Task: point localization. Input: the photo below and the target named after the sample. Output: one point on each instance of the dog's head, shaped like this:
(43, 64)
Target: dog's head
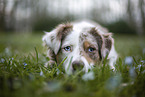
(83, 44)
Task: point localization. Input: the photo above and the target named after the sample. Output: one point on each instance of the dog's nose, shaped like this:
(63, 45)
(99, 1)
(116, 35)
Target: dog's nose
(77, 65)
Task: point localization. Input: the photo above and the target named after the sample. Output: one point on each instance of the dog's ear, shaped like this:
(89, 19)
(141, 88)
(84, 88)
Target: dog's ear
(107, 44)
(54, 38)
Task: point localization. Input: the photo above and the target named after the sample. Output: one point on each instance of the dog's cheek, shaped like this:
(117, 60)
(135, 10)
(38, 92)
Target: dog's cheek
(91, 58)
(94, 56)
(60, 56)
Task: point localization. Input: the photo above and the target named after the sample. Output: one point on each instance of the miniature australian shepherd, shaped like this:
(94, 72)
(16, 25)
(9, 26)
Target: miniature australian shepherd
(81, 45)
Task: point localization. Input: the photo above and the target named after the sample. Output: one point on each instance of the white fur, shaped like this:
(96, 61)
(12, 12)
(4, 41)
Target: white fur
(73, 40)
(55, 45)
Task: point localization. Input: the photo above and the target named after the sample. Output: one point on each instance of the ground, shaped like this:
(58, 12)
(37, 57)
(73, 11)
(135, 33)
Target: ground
(22, 71)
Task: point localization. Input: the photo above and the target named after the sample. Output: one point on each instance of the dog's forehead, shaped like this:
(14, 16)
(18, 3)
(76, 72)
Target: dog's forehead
(82, 25)
(77, 39)
(81, 28)
(72, 38)
(79, 33)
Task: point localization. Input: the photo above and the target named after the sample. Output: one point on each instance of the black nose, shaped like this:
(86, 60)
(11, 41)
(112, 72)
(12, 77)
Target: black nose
(77, 65)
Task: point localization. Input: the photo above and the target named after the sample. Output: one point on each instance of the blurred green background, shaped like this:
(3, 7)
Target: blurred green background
(27, 16)
(22, 22)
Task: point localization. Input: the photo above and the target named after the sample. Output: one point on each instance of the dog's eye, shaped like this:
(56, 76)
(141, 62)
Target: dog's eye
(67, 48)
(90, 49)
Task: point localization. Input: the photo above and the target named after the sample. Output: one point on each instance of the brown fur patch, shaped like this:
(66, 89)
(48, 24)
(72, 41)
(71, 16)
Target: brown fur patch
(63, 30)
(108, 41)
(90, 56)
(86, 44)
(52, 38)
(51, 56)
(99, 40)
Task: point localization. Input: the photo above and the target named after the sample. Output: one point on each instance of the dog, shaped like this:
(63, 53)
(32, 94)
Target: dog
(81, 45)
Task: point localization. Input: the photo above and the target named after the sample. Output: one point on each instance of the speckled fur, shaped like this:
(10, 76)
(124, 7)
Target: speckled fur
(80, 37)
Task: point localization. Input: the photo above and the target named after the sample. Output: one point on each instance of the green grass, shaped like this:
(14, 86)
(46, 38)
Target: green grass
(22, 71)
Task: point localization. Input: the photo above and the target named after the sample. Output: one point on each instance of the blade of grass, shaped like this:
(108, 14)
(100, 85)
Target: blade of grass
(104, 62)
(69, 64)
(61, 65)
(134, 60)
(36, 54)
(77, 73)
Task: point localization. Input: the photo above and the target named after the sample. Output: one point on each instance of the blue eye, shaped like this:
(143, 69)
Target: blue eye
(90, 49)
(67, 48)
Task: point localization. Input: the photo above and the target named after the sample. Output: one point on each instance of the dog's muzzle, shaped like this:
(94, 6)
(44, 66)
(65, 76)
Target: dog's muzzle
(77, 65)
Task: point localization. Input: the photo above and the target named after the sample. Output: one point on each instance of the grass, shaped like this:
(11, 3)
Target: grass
(22, 71)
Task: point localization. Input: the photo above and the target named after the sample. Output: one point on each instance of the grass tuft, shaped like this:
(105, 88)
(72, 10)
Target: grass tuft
(23, 74)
